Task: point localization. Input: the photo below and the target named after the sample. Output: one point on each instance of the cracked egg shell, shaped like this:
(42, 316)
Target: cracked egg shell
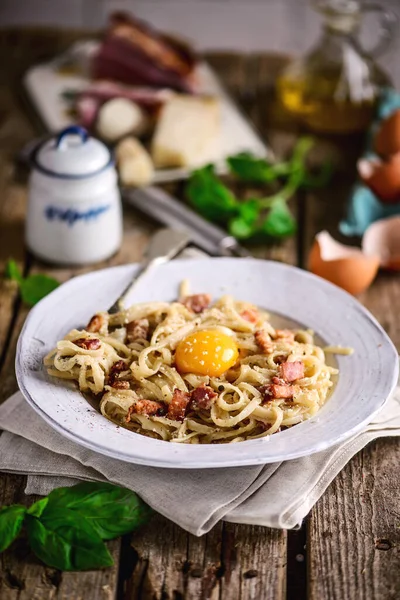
(382, 239)
(383, 178)
(345, 266)
(387, 139)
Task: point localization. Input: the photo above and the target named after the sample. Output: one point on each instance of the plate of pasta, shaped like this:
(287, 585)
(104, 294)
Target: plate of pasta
(212, 363)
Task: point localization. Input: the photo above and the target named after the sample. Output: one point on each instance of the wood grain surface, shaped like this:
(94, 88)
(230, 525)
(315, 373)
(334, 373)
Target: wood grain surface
(349, 546)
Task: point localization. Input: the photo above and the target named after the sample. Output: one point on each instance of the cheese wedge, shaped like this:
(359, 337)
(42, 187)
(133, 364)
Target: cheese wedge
(187, 132)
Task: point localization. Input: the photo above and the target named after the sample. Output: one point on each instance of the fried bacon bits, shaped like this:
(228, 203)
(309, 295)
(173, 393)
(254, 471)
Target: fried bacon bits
(277, 389)
(95, 323)
(137, 330)
(197, 303)
(202, 397)
(285, 335)
(118, 384)
(113, 376)
(250, 315)
(291, 371)
(278, 360)
(178, 405)
(263, 341)
(88, 343)
(149, 408)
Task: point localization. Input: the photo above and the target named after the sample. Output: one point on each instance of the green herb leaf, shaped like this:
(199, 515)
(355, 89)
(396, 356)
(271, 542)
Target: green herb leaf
(240, 229)
(12, 271)
(37, 509)
(11, 521)
(259, 170)
(36, 287)
(244, 225)
(210, 196)
(111, 510)
(66, 540)
(280, 222)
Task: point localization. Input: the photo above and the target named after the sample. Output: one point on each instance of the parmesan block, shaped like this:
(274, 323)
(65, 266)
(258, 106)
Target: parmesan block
(187, 132)
(134, 164)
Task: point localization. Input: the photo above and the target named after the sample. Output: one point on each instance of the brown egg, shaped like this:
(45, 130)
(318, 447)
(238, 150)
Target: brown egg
(342, 265)
(383, 178)
(382, 239)
(387, 139)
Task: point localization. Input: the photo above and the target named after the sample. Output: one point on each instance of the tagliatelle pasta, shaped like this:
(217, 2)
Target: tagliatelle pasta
(195, 372)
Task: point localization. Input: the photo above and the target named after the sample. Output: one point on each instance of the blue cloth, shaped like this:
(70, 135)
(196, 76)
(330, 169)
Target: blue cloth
(364, 207)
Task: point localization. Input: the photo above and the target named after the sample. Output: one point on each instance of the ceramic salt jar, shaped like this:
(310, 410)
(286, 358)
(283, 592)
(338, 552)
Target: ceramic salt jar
(74, 206)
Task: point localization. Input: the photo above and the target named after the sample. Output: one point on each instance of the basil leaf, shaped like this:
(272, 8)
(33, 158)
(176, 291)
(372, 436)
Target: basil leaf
(240, 229)
(244, 225)
(37, 509)
(111, 510)
(36, 287)
(250, 168)
(210, 196)
(279, 222)
(12, 271)
(67, 541)
(11, 521)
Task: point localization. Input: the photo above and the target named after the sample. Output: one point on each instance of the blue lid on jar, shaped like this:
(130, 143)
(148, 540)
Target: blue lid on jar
(72, 154)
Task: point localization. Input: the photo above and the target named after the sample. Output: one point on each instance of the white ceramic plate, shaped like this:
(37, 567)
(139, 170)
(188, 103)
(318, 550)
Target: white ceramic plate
(366, 378)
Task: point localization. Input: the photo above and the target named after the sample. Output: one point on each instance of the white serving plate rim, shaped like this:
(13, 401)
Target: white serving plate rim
(211, 456)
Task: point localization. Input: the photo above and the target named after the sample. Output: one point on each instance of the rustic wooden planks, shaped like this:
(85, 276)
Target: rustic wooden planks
(353, 537)
(354, 530)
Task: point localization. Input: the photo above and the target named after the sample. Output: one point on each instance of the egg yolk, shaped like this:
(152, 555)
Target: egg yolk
(206, 352)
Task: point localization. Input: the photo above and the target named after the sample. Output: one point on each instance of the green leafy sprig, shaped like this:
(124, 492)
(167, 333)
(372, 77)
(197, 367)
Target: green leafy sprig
(268, 215)
(67, 528)
(34, 287)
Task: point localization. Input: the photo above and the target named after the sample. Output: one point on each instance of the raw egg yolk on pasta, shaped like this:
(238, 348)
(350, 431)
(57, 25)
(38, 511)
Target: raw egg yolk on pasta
(206, 352)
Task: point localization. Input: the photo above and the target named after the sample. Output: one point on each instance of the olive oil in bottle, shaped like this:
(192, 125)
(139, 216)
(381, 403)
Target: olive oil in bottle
(334, 88)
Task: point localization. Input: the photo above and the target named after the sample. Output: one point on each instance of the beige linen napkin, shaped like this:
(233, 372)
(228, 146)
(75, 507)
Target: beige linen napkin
(278, 495)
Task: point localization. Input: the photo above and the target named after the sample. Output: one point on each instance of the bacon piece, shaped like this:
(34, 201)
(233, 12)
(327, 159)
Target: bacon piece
(291, 371)
(115, 370)
(197, 303)
(202, 397)
(88, 343)
(95, 323)
(103, 90)
(250, 314)
(120, 385)
(118, 366)
(278, 360)
(137, 330)
(263, 341)
(277, 390)
(178, 405)
(134, 53)
(149, 408)
(285, 335)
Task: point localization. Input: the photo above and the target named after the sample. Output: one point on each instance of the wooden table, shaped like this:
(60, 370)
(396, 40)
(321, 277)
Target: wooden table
(348, 547)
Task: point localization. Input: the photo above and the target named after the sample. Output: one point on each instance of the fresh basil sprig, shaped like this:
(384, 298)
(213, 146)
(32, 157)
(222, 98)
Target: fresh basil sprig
(66, 529)
(268, 215)
(34, 287)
